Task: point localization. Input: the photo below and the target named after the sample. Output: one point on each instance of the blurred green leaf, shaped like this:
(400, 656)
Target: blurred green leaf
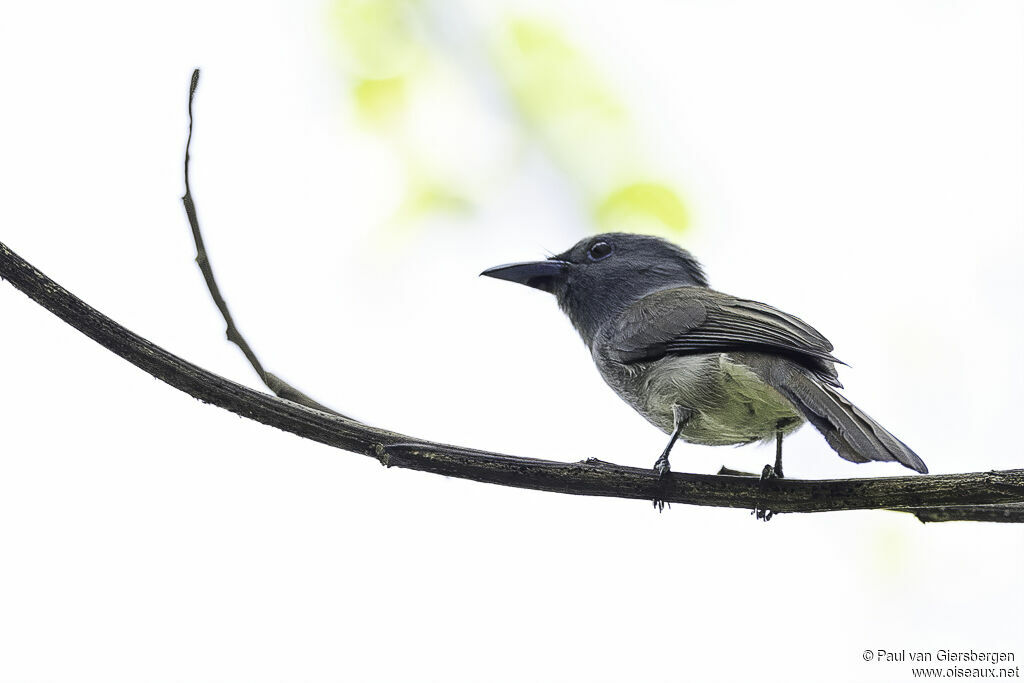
(429, 198)
(641, 201)
(562, 99)
(587, 129)
(551, 78)
(380, 100)
(378, 38)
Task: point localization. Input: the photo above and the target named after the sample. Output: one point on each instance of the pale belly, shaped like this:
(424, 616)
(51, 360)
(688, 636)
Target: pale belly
(731, 404)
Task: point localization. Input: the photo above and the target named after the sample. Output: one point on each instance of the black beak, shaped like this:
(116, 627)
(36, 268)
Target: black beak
(543, 275)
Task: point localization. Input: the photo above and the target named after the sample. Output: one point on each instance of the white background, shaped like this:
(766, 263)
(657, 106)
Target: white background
(860, 165)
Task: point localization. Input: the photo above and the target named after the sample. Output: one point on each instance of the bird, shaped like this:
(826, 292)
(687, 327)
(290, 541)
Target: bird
(703, 366)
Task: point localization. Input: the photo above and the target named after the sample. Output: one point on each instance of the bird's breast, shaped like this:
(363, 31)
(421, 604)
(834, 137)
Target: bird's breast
(731, 402)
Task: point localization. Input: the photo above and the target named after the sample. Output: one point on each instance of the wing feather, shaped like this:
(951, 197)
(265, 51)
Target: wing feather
(687, 320)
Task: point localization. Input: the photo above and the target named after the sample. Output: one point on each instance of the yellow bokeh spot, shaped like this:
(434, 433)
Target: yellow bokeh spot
(639, 202)
(378, 38)
(380, 100)
(550, 77)
(428, 199)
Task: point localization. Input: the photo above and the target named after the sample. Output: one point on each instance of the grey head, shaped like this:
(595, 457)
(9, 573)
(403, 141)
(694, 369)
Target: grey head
(598, 277)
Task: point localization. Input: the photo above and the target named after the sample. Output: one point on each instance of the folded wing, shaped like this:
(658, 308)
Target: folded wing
(690, 320)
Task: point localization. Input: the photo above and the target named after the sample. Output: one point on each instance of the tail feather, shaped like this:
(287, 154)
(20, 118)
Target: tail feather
(848, 430)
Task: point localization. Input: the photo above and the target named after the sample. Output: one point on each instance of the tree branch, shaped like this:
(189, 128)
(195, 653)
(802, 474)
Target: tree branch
(983, 496)
(590, 478)
(1010, 512)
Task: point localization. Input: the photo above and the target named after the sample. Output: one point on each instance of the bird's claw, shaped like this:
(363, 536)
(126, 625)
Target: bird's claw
(767, 474)
(661, 466)
(663, 470)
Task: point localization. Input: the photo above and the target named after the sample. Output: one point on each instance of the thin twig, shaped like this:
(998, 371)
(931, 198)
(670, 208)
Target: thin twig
(273, 382)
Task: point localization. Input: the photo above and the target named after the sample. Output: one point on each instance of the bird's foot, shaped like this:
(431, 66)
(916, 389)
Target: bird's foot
(767, 474)
(661, 466)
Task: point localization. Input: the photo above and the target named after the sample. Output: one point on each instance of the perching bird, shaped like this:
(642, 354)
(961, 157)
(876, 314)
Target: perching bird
(703, 366)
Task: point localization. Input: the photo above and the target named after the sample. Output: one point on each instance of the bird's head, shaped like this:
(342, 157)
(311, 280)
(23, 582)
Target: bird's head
(599, 276)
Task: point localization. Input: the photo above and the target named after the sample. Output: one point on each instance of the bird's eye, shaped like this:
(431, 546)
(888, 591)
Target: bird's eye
(599, 250)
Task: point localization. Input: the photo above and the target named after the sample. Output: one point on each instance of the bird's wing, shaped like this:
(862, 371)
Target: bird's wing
(688, 320)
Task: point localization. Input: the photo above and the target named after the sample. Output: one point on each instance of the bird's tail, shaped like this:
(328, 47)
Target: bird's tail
(847, 429)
